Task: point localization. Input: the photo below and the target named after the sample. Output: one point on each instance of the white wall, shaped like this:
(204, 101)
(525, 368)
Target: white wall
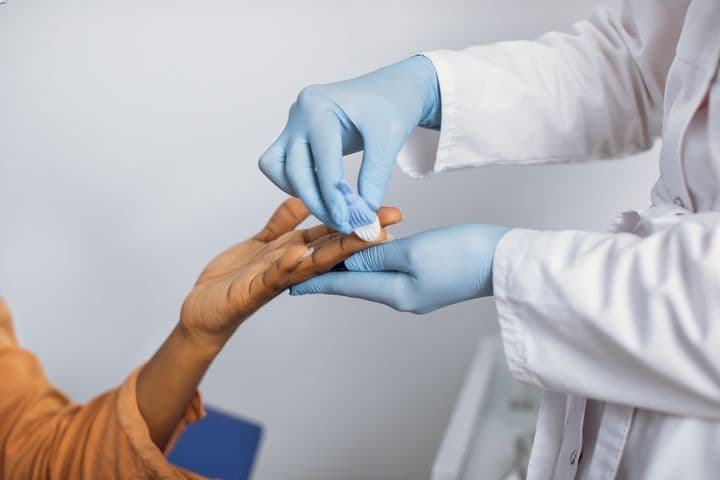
(129, 133)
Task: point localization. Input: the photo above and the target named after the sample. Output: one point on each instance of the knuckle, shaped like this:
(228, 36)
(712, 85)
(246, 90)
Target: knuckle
(403, 305)
(266, 163)
(310, 96)
(420, 310)
(404, 301)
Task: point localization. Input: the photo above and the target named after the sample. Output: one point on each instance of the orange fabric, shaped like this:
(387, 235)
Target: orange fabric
(43, 435)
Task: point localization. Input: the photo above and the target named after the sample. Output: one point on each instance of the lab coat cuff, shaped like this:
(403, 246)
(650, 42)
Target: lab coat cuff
(134, 426)
(428, 151)
(514, 328)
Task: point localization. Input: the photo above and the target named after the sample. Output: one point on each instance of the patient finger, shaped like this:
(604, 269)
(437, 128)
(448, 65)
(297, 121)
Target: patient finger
(332, 249)
(276, 277)
(314, 233)
(389, 216)
(5, 318)
(288, 216)
(386, 215)
(329, 251)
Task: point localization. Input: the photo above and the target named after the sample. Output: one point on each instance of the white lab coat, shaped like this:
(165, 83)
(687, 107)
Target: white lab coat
(621, 330)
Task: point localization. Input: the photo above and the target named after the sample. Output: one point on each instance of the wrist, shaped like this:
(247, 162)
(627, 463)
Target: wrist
(430, 86)
(202, 344)
(499, 232)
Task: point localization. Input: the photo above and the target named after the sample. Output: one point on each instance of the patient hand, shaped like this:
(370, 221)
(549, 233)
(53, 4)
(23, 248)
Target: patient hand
(246, 276)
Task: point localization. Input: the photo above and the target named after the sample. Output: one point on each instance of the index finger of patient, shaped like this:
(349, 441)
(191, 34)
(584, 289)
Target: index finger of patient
(329, 251)
(332, 249)
(386, 215)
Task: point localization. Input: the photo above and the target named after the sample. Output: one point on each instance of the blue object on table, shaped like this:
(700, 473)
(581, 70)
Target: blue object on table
(218, 446)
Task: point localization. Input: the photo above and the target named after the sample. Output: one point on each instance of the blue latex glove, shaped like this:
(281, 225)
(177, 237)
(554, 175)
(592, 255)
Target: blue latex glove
(374, 113)
(420, 273)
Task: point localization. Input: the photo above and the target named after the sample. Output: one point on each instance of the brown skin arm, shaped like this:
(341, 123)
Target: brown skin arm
(231, 288)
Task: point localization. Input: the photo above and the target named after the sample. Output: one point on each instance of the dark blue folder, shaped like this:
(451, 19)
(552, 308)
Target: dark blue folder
(218, 446)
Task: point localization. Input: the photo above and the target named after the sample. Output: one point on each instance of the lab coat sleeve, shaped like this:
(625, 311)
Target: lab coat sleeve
(566, 97)
(616, 317)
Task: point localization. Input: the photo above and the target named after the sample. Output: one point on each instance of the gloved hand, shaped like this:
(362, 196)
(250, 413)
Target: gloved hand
(375, 113)
(420, 273)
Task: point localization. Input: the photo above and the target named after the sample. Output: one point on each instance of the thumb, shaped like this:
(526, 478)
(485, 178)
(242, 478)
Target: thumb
(272, 164)
(389, 256)
(380, 287)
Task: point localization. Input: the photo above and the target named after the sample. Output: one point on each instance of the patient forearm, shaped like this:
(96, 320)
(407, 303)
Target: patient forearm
(167, 383)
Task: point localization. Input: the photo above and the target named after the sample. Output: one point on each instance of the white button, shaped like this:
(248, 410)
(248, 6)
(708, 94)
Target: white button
(573, 456)
(678, 201)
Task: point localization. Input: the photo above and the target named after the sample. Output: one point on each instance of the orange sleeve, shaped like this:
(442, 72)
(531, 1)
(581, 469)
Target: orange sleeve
(43, 435)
